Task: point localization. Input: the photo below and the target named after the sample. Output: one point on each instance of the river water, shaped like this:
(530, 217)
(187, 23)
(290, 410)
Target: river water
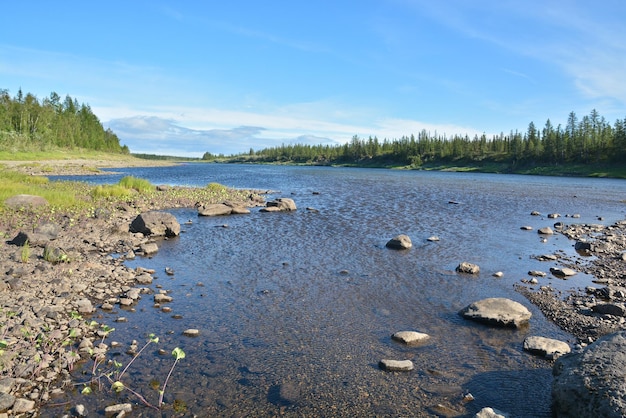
(296, 309)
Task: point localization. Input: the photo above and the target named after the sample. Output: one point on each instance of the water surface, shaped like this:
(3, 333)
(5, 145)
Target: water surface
(296, 309)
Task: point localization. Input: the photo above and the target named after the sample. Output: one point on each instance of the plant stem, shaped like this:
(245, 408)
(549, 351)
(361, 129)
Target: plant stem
(165, 383)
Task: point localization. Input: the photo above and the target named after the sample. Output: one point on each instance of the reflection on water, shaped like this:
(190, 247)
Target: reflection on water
(296, 309)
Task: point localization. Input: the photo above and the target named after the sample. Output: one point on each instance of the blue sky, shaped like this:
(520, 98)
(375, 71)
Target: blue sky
(185, 77)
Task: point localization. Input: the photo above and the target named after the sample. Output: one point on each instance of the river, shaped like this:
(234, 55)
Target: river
(296, 309)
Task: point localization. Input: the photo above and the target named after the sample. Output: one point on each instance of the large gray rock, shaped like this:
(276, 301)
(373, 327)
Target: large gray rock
(282, 204)
(156, 223)
(214, 209)
(401, 242)
(25, 200)
(592, 383)
(497, 311)
(547, 347)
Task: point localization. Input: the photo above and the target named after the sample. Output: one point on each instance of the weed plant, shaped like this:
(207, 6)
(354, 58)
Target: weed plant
(115, 372)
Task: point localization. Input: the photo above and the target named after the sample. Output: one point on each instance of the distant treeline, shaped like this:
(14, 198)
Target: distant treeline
(163, 157)
(27, 124)
(590, 140)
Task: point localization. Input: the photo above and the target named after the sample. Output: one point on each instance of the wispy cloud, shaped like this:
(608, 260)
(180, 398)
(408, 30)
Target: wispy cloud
(585, 40)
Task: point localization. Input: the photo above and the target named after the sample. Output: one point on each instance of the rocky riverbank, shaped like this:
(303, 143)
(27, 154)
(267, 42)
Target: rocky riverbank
(597, 309)
(57, 273)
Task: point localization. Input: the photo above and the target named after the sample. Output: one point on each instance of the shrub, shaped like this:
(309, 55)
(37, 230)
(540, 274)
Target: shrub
(216, 187)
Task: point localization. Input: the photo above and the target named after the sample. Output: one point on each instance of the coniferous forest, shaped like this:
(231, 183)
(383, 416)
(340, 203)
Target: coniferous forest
(588, 140)
(28, 124)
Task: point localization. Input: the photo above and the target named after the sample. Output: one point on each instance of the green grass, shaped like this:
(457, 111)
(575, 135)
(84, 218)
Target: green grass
(140, 185)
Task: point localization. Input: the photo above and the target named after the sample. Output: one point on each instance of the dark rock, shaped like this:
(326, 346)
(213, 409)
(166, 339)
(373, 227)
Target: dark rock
(592, 383)
(615, 309)
(156, 223)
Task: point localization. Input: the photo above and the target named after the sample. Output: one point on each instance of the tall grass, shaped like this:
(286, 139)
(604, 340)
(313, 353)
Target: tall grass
(141, 185)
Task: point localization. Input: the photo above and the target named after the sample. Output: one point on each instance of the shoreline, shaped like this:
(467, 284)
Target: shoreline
(44, 303)
(596, 310)
(54, 287)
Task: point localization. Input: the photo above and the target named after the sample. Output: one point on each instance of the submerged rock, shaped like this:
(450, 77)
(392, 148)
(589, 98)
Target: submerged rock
(468, 268)
(215, 209)
(282, 204)
(400, 242)
(547, 347)
(396, 365)
(497, 311)
(562, 271)
(410, 337)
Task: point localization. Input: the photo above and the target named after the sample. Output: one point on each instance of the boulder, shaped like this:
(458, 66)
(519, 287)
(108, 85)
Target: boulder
(282, 204)
(468, 268)
(546, 230)
(582, 246)
(410, 337)
(156, 223)
(592, 382)
(40, 236)
(24, 201)
(401, 242)
(615, 309)
(497, 311)
(562, 271)
(547, 347)
(215, 209)
(149, 248)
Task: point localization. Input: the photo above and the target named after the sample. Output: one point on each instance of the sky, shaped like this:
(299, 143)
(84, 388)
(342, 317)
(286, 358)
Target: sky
(188, 77)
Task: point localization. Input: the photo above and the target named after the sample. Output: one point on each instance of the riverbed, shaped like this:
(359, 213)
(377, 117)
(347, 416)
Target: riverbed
(296, 309)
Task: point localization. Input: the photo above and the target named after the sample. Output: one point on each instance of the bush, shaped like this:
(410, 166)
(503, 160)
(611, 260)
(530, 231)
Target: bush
(216, 187)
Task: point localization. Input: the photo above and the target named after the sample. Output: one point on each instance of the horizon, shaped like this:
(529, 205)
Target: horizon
(185, 79)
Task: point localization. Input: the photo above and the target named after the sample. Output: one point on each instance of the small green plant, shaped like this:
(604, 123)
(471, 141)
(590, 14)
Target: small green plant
(25, 254)
(115, 374)
(178, 354)
(54, 255)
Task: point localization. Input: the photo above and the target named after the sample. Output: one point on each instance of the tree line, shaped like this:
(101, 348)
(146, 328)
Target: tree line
(589, 140)
(28, 124)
